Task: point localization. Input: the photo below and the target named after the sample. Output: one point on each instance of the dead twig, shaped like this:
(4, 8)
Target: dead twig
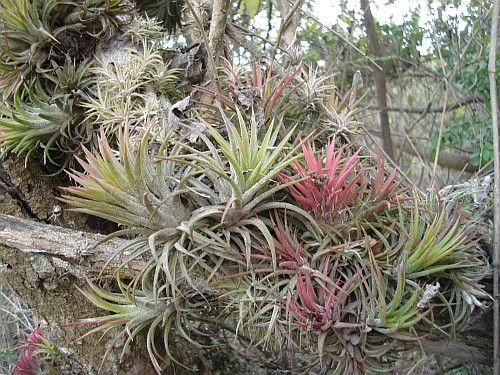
(283, 24)
(213, 66)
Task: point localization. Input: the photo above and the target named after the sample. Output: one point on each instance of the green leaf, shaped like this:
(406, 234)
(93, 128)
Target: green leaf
(249, 8)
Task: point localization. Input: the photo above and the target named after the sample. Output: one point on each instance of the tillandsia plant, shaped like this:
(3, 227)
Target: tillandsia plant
(44, 73)
(142, 307)
(329, 188)
(290, 244)
(297, 94)
(266, 94)
(446, 252)
(35, 32)
(137, 89)
(51, 121)
(130, 187)
(38, 355)
(24, 36)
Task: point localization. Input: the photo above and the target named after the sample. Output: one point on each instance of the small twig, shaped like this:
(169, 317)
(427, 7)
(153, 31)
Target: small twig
(284, 22)
(440, 135)
(417, 365)
(211, 60)
(365, 55)
(233, 32)
(496, 163)
(235, 28)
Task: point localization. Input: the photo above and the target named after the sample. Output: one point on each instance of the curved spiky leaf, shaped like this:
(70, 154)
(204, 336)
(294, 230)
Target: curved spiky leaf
(129, 188)
(39, 121)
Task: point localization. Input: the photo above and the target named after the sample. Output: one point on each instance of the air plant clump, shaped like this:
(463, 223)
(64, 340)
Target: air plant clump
(290, 245)
(348, 310)
(299, 95)
(53, 123)
(265, 94)
(134, 85)
(44, 73)
(139, 308)
(35, 33)
(246, 220)
(37, 355)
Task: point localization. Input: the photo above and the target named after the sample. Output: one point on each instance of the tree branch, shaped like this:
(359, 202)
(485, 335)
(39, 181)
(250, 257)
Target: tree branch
(380, 79)
(77, 249)
(30, 239)
(458, 350)
(287, 27)
(496, 162)
(218, 28)
(211, 60)
(453, 160)
(431, 108)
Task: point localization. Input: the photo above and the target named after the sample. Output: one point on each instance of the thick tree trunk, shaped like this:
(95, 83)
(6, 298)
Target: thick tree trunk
(44, 263)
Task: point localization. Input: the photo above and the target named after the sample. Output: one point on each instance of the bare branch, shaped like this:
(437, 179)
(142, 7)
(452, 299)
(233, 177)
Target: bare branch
(496, 161)
(76, 248)
(284, 25)
(463, 101)
(380, 79)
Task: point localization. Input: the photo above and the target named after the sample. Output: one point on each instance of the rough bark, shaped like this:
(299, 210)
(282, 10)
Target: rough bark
(379, 75)
(43, 263)
(496, 147)
(290, 21)
(218, 29)
(78, 251)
